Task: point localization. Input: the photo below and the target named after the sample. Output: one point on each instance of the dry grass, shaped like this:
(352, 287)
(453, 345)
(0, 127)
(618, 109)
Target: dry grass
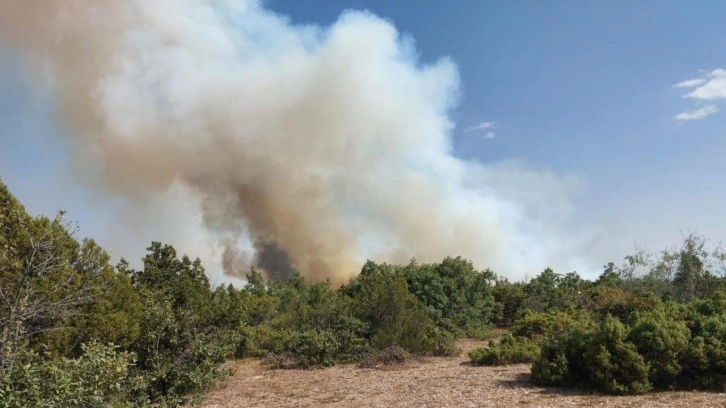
(434, 382)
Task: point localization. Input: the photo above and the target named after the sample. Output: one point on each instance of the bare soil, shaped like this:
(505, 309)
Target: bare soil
(433, 382)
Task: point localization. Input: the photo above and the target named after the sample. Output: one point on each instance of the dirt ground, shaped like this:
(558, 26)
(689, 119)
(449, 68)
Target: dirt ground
(435, 382)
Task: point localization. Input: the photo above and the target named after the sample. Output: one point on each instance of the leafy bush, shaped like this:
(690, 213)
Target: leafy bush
(316, 348)
(600, 357)
(551, 291)
(619, 303)
(536, 325)
(174, 360)
(180, 351)
(95, 379)
(511, 297)
(658, 324)
(613, 364)
(663, 342)
(457, 297)
(508, 350)
(560, 361)
(552, 367)
(657, 351)
(381, 299)
(704, 362)
(260, 340)
(350, 333)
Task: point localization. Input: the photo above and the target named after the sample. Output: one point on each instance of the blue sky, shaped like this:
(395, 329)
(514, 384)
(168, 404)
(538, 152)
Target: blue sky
(574, 86)
(584, 88)
(579, 88)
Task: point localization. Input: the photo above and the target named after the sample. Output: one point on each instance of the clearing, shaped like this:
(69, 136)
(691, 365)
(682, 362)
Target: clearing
(434, 382)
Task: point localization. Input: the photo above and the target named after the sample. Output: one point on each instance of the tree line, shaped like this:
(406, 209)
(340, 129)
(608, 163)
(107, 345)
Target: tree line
(76, 330)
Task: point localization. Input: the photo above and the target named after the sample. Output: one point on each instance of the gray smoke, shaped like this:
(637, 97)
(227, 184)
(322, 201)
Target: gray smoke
(290, 147)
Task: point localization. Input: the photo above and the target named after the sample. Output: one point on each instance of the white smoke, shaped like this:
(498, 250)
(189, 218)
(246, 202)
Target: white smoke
(286, 146)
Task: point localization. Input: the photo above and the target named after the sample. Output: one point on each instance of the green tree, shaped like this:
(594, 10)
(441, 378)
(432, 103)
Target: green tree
(394, 315)
(179, 349)
(457, 296)
(55, 291)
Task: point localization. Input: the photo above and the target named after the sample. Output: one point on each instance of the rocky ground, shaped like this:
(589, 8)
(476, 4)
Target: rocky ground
(434, 382)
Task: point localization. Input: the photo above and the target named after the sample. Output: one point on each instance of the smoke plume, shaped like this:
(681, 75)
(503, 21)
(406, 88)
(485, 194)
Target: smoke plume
(297, 147)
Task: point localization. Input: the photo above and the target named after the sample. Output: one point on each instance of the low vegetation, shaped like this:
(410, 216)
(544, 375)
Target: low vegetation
(77, 331)
(624, 333)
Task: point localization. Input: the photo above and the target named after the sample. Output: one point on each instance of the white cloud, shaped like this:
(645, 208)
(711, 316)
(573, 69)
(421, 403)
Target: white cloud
(489, 135)
(696, 114)
(691, 83)
(711, 87)
(480, 126)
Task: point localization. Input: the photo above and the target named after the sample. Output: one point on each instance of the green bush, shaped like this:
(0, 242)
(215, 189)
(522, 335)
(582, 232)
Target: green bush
(648, 324)
(350, 333)
(552, 367)
(600, 357)
(260, 340)
(316, 348)
(511, 297)
(704, 362)
(619, 303)
(457, 297)
(311, 326)
(443, 343)
(536, 325)
(175, 358)
(657, 351)
(508, 350)
(613, 364)
(663, 342)
(97, 378)
(560, 359)
(180, 350)
(381, 298)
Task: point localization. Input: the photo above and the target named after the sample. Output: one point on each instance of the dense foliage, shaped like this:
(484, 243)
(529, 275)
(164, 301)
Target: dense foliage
(650, 324)
(77, 331)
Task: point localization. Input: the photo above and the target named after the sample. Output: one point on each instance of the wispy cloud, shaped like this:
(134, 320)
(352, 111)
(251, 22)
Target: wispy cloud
(713, 86)
(480, 126)
(710, 87)
(489, 135)
(696, 114)
(691, 83)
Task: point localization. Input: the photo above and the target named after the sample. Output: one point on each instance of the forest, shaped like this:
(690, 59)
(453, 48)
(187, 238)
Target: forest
(78, 331)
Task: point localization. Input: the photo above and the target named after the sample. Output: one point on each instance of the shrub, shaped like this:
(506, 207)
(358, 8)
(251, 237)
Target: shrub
(260, 340)
(457, 297)
(601, 357)
(552, 365)
(174, 359)
(95, 379)
(536, 325)
(616, 302)
(350, 333)
(618, 368)
(508, 350)
(316, 348)
(343, 341)
(704, 362)
(560, 359)
(663, 342)
(394, 315)
(511, 297)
